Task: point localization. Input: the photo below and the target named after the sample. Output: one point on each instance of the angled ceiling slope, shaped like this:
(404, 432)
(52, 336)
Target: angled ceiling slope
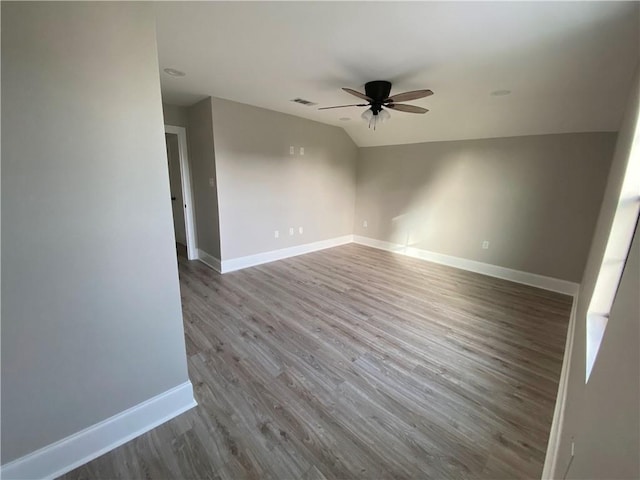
(568, 65)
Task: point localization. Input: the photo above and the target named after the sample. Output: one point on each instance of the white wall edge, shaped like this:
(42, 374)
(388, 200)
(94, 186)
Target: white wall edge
(64, 455)
(525, 278)
(553, 446)
(209, 260)
(266, 257)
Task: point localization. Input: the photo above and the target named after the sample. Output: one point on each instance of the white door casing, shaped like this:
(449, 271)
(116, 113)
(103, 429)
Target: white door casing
(187, 194)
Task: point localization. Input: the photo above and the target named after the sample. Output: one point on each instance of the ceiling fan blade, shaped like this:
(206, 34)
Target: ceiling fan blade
(401, 107)
(343, 106)
(414, 95)
(358, 94)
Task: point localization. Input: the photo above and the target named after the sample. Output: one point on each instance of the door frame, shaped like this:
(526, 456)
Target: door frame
(187, 193)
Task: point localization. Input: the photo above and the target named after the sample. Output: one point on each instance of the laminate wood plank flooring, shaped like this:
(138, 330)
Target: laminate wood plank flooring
(355, 363)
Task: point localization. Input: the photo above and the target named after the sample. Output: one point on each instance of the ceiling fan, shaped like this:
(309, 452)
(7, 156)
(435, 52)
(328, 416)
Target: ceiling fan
(377, 96)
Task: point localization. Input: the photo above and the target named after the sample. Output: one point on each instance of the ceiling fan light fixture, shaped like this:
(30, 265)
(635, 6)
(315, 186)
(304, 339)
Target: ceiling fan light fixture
(374, 118)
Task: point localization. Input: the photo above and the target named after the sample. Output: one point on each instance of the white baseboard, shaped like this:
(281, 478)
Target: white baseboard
(526, 278)
(553, 446)
(209, 260)
(64, 455)
(540, 281)
(266, 257)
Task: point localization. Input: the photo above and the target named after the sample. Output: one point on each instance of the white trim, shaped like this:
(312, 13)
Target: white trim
(553, 446)
(64, 455)
(187, 193)
(596, 326)
(209, 260)
(266, 257)
(526, 278)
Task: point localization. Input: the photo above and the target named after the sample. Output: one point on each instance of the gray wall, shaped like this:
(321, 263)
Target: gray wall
(602, 416)
(203, 171)
(535, 199)
(91, 319)
(262, 188)
(174, 115)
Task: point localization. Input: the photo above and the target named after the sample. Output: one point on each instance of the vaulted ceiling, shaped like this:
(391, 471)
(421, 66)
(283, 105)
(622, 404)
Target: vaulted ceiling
(568, 65)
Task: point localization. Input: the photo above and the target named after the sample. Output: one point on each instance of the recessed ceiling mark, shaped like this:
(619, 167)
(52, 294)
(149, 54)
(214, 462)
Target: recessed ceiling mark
(173, 72)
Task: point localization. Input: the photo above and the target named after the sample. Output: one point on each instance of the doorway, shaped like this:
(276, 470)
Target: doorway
(181, 195)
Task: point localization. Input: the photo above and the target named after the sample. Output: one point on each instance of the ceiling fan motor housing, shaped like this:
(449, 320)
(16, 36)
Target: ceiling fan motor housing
(378, 91)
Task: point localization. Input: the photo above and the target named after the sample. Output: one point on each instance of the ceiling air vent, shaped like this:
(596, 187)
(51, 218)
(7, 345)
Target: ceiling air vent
(304, 102)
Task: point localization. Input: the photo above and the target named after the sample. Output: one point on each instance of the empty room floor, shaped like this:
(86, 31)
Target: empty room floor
(353, 362)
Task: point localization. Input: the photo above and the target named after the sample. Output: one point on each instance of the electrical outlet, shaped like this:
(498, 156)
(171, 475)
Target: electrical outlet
(292, 150)
(301, 150)
(291, 231)
(300, 230)
(276, 234)
(212, 182)
(365, 224)
(485, 244)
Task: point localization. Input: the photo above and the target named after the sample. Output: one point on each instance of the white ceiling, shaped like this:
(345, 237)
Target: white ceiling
(568, 64)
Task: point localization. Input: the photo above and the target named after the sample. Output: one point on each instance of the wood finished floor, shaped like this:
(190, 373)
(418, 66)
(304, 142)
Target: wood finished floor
(354, 363)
